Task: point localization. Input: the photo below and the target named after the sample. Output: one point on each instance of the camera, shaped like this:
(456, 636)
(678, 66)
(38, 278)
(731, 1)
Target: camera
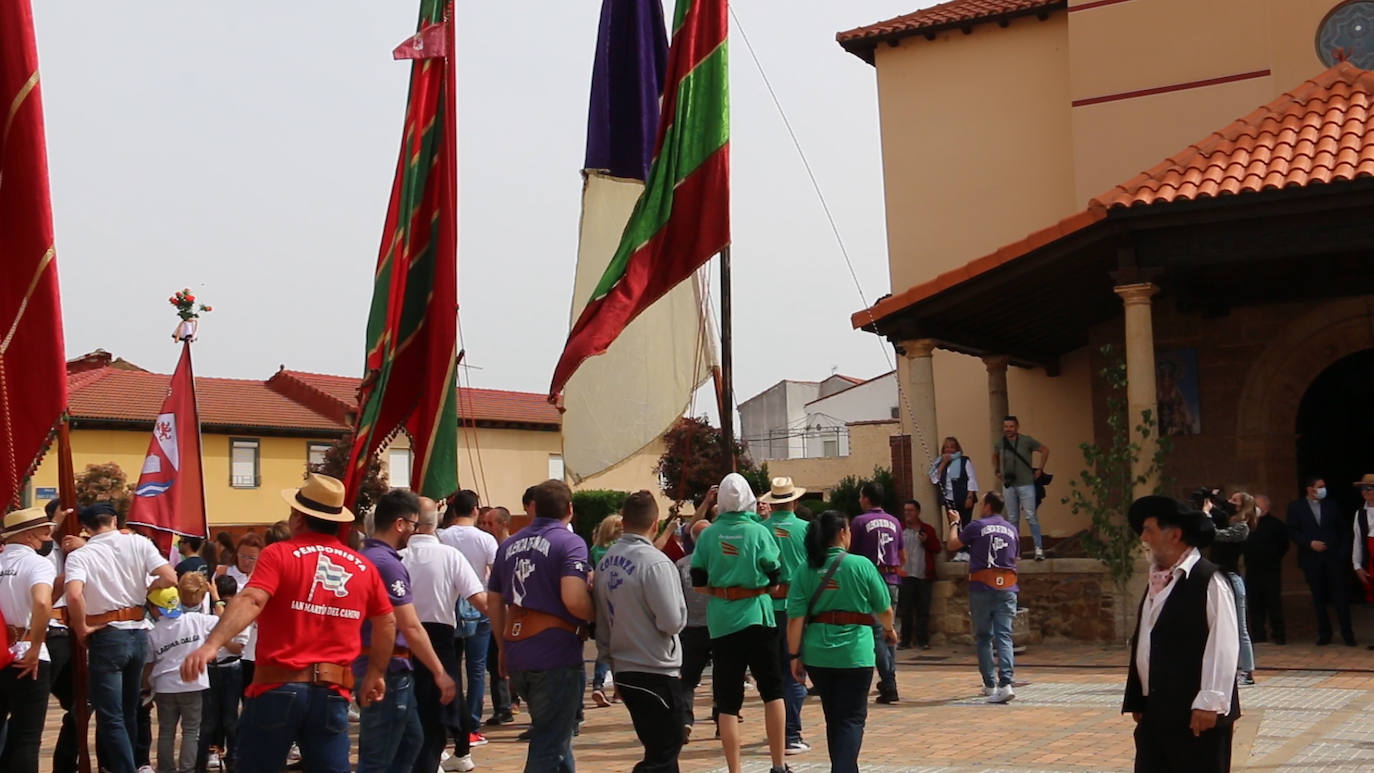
(1222, 510)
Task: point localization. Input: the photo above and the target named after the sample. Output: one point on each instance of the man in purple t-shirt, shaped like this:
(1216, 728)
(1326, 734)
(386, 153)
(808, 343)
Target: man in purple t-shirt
(877, 536)
(993, 545)
(541, 576)
(389, 733)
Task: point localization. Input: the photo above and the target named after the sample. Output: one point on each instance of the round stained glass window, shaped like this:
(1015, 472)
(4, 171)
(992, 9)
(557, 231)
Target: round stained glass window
(1347, 33)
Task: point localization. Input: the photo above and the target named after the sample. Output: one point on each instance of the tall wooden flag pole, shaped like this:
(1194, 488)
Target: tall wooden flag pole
(66, 497)
(727, 363)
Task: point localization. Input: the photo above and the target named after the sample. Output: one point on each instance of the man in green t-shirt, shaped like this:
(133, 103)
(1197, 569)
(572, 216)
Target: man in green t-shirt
(790, 533)
(1014, 463)
(736, 564)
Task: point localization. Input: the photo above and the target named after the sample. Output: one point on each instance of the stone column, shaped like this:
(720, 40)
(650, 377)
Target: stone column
(1140, 371)
(920, 405)
(997, 406)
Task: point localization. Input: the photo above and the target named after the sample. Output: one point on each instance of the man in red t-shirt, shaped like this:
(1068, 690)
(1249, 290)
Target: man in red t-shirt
(310, 596)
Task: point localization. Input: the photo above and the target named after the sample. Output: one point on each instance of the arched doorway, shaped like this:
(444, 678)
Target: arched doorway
(1335, 419)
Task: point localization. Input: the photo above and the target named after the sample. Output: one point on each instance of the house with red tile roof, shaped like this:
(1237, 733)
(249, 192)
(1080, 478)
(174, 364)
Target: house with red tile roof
(258, 435)
(1189, 183)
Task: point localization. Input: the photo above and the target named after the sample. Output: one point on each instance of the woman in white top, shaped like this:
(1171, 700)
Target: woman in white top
(241, 569)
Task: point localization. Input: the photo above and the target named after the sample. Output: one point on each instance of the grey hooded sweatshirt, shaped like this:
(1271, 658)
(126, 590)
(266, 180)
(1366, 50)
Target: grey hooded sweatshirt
(639, 608)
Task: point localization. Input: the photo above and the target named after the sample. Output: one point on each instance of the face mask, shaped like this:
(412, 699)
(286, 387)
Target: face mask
(45, 548)
(1321, 493)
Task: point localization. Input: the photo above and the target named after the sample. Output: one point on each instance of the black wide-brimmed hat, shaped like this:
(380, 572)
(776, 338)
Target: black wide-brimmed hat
(1198, 529)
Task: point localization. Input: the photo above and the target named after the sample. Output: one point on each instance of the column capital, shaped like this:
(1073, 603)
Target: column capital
(920, 347)
(997, 363)
(1136, 293)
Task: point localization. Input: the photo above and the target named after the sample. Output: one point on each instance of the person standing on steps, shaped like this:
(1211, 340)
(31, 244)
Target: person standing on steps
(1013, 461)
(877, 536)
(790, 533)
(1323, 539)
(918, 576)
(1264, 552)
(956, 483)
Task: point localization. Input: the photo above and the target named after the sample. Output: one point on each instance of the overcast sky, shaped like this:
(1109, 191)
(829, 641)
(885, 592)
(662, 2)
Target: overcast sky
(246, 149)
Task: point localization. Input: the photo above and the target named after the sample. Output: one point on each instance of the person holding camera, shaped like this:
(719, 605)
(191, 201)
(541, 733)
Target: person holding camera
(994, 544)
(1014, 463)
(1234, 518)
(954, 478)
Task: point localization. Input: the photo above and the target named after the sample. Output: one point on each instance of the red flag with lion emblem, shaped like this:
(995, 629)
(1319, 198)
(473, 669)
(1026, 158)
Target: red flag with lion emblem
(170, 496)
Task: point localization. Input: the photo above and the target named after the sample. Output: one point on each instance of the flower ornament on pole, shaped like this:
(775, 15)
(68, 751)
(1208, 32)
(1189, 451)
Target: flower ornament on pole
(185, 302)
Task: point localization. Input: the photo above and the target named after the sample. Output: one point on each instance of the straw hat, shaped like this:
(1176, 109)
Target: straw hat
(1365, 480)
(320, 497)
(23, 520)
(782, 491)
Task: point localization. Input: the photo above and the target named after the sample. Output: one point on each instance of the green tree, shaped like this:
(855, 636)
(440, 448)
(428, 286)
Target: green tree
(375, 482)
(1107, 484)
(845, 496)
(695, 460)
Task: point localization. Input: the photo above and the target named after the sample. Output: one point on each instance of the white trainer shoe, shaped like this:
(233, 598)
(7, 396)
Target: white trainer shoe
(1003, 694)
(461, 764)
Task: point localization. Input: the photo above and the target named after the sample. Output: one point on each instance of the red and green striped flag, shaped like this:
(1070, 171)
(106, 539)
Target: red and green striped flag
(683, 216)
(411, 368)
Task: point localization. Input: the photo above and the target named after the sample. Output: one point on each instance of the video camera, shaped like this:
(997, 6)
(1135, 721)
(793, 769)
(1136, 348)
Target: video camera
(1222, 510)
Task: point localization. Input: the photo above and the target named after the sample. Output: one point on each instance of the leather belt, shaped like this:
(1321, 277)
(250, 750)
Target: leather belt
(396, 652)
(735, 593)
(60, 615)
(523, 623)
(124, 615)
(994, 578)
(14, 634)
(329, 674)
(837, 617)
(780, 591)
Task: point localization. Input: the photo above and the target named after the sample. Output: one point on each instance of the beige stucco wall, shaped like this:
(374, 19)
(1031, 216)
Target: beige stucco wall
(868, 448)
(975, 132)
(499, 464)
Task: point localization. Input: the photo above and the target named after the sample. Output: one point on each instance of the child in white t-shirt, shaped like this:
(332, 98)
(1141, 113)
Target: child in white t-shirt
(178, 632)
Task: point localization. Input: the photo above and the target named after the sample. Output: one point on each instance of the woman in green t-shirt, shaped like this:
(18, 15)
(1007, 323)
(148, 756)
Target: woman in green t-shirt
(830, 633)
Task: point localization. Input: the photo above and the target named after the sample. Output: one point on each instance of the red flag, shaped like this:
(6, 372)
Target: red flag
(431, 42)
(33, 373)
(170, 497)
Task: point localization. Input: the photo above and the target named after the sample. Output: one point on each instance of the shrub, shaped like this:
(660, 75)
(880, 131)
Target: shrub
(591, 506)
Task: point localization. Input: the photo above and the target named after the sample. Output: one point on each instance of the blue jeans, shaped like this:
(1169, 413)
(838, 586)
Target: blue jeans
(389, 733)
(1247, 650)
(600, 671)
(116, 671)
(993, 611)
(474, 649)
(1021, 502)
(553, 697)
(793, 692)
(314, 717)
(844, 699)
(886, 654)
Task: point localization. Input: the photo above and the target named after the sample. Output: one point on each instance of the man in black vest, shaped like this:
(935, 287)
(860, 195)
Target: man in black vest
(1182, 685)
(1323, 538)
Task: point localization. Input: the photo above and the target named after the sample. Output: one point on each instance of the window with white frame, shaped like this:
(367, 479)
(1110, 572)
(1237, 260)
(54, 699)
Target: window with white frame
(243, 463)
(315, 453)
(398, 467)
(555, 466)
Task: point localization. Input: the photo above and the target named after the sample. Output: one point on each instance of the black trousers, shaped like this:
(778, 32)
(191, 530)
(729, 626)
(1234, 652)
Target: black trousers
(64, 753)
(438, 720)
(1264, 602)
(696, 655)
(24, 703)
(1175, 749)
(913, 610)
(1327, 580)
(655, 705)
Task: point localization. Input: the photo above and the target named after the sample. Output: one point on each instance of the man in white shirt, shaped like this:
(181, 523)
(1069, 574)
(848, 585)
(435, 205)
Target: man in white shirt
(440, 575)
(1181, 690)
(26, 580)
(107, 581)
(479, 548)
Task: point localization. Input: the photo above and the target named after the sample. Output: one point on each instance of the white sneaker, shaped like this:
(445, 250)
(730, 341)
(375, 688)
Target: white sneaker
(146, 769)
(294, 755)
(212, 761)
(463, 764)
(797, 747)
(1003, 694)
(988, 691)
(1039, 554)
(960, 558)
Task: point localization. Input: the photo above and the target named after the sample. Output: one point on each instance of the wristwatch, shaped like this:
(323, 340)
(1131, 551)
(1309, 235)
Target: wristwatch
(793, 655)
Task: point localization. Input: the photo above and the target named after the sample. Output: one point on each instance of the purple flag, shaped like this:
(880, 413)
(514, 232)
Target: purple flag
(627, 79)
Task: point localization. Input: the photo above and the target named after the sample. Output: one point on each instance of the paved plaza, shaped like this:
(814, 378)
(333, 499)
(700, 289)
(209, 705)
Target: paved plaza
(1309, 711)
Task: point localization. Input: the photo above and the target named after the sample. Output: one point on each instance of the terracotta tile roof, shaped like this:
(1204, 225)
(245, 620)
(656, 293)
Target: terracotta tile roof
(289, 401)
(112, 394)
(957, 13)
(1003, 255)
(1321, 132)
